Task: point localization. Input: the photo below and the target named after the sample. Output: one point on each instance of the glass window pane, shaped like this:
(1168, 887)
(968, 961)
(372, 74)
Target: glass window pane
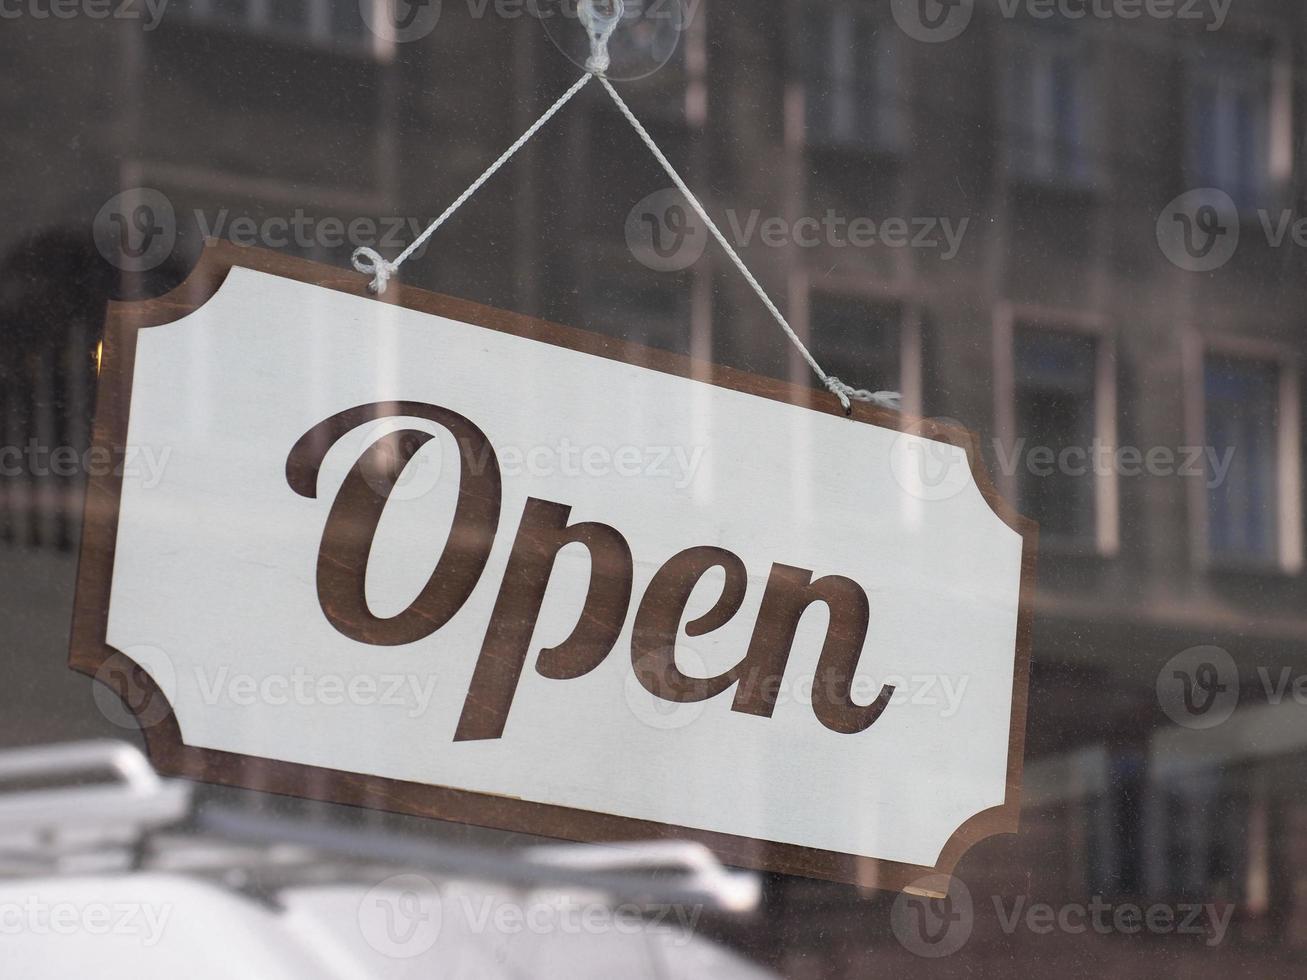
(1055, 376)
(1242, 398)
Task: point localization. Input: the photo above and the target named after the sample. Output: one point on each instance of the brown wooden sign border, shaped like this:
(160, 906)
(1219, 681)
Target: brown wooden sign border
(91, 654)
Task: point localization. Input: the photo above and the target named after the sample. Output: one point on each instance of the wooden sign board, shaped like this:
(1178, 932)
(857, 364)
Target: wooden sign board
(415, 554)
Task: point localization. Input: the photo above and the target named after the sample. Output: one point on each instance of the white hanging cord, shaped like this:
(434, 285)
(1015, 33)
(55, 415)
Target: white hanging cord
(370, 262)
(600, 28)
(842, 391)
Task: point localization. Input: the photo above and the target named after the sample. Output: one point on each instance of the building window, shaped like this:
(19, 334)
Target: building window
(1242, 409)
(859, 339)
(1198, 839)
(1056, 420)
(850, 78)
(1048, 109)
(1229, 124)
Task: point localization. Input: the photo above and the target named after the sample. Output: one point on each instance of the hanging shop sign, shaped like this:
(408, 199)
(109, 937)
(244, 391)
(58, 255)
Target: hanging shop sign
(411, 553)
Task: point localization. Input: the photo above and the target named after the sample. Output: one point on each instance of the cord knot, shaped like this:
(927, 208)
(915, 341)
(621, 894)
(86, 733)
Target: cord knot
(600, 26)
(847, 393)
(370, 262)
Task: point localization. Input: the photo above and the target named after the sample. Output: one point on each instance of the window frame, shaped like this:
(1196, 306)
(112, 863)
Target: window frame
(1005, 94)
(881, 144)
(851, 286)
(1279, 147)
(1007, 318)
(1198, 344)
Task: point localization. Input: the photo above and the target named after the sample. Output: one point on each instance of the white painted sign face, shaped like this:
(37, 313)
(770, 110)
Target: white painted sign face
(540, 588)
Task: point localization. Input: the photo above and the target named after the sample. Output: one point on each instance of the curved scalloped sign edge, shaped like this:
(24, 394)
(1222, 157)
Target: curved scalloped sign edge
(127, 595)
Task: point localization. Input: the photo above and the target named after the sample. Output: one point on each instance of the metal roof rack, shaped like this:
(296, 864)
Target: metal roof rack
(81, 807)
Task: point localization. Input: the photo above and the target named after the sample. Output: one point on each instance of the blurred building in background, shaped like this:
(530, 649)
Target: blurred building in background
(1148, 415)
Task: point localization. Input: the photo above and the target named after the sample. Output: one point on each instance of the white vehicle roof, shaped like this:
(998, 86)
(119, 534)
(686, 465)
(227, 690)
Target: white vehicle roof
(129, 926)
